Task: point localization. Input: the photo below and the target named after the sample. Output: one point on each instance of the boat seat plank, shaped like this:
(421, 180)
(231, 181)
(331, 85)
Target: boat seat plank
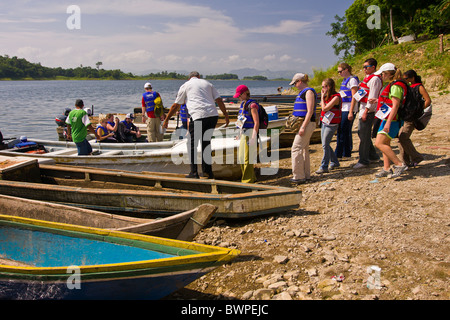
(63, 152)
(111, 153)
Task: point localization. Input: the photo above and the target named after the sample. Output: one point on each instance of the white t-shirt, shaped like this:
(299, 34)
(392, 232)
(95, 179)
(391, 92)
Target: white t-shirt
(199, 96)
(351, 84)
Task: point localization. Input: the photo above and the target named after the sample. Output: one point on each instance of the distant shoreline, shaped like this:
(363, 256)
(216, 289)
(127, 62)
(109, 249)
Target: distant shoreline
(128, 79)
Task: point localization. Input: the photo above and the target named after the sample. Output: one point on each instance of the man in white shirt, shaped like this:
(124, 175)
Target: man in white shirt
(372, 85)
(200, 98)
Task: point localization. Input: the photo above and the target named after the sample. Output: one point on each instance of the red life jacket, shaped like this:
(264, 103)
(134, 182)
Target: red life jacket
(363, 85)
(384, 95)
(336, 109)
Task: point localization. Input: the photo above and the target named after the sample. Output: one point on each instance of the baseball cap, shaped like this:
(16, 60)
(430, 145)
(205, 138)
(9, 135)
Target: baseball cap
(240, 90)
(147, 85)
(386, 67)
(129, 116)
(297, 76)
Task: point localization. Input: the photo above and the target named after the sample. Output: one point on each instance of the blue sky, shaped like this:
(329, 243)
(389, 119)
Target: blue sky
(210, 36)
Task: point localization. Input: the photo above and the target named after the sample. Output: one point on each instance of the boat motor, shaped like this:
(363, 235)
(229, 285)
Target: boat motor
(61, 120)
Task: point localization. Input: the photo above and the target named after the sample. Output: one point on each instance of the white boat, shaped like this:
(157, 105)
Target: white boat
(168, 156)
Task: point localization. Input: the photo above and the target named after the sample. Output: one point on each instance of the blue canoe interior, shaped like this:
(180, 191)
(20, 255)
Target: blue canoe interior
(37, 259)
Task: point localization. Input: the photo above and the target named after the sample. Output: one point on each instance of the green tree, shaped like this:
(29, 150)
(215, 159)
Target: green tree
(339, 31)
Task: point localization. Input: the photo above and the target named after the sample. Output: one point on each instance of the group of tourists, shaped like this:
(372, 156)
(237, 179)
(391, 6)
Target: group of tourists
(376, 108)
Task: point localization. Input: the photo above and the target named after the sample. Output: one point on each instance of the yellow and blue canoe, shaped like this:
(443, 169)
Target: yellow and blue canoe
(42, 260)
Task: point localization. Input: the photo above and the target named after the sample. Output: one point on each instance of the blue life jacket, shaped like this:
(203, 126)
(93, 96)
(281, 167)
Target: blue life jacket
(127, 125)
(105, 131)
(300, 107)
(25, 144)
(346, 90)
(184, 113)
(149, 99)
(245, 111)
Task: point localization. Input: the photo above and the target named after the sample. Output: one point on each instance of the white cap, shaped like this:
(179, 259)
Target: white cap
(147, 85)
(386, 67)
(297, 76)
(129, 116)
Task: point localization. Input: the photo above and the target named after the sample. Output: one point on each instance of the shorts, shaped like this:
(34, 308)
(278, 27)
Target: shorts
(393, 130)
(84, 148)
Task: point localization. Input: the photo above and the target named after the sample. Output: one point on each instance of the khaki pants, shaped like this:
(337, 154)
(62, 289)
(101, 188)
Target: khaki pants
(153, 130)
(301, 165)
(247, 162)
(408, 152)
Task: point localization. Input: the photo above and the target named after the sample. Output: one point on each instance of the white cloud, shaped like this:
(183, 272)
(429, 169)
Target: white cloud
(269, 57)
(285, 58)
(288, 27)
(136, 35)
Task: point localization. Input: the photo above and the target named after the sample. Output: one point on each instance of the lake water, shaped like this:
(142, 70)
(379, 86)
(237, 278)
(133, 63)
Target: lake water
(29, 107)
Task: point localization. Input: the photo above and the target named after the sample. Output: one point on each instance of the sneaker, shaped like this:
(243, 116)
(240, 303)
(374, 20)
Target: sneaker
(398, 170)
(359, 166)
(297, 181)
(383, 173)
(333, 166)
(320, 171)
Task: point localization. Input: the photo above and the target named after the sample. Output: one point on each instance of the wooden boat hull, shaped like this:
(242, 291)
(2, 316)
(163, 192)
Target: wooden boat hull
(181, 226)
(74, 262)
(151, 193)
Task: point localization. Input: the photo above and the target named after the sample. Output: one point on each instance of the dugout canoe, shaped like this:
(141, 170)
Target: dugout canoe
(181, 226)
(41, 260)
(146, 193)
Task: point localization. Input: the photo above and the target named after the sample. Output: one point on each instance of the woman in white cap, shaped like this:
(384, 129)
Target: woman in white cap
(305, 109)
(391, 97)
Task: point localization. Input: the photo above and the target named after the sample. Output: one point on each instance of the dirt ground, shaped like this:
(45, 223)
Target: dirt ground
(347, 222)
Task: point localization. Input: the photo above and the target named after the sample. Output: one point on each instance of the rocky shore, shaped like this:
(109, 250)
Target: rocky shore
(349, 224)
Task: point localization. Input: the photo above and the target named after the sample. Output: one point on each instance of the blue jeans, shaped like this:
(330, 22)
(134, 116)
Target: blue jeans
(84, 148)
(327, 133)
(344, 141)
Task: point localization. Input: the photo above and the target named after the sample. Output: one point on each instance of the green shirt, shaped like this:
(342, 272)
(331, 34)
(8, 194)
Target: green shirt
(78, 119)
(396, 91)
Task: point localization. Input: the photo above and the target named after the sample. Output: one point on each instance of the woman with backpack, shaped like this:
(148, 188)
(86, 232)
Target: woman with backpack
(408, 152)
(330, 117)
(248, 123)
(391, 98)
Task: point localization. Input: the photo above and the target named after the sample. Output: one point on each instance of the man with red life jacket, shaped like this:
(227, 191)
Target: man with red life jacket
(331, 103)
(390, 100)
(367, 96)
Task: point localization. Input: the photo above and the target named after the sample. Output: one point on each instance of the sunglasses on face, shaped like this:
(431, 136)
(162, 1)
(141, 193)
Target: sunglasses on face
(370, 66)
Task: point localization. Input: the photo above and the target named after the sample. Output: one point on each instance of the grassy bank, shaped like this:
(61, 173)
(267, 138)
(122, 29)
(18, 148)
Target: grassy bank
(424, 57)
